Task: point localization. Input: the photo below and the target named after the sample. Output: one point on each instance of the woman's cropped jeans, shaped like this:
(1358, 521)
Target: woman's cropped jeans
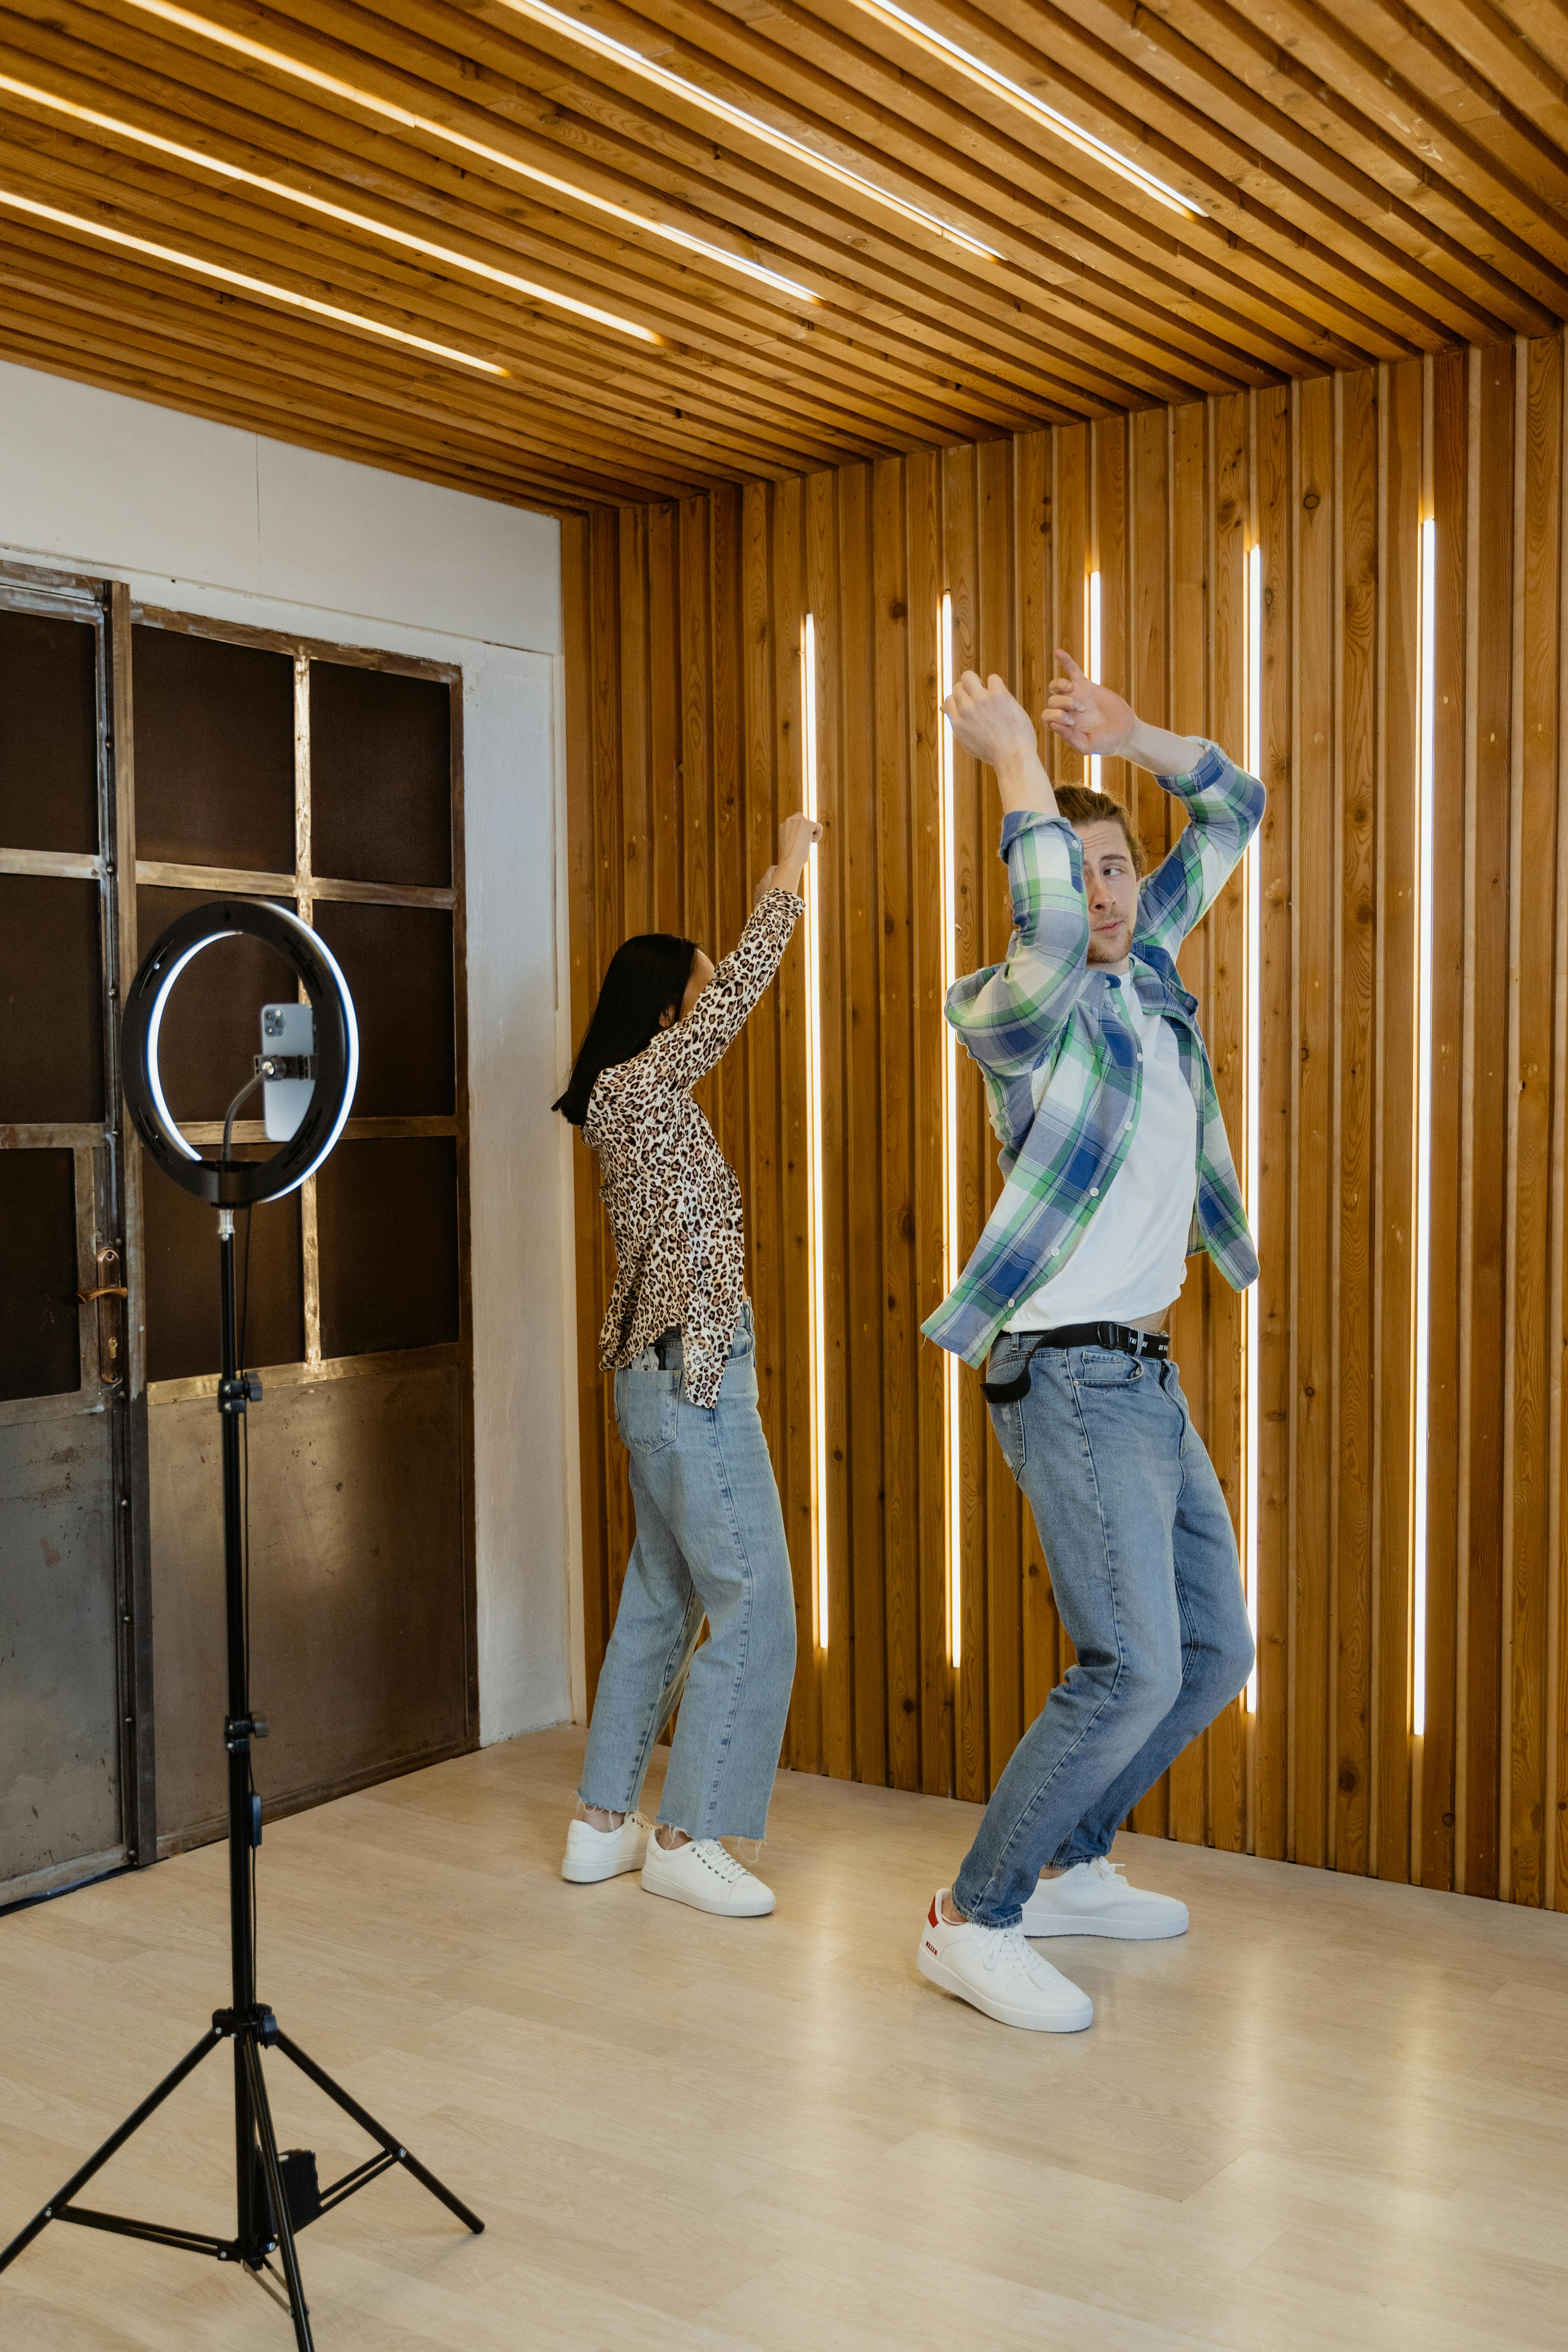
(709, 1542)
(1144, 1573)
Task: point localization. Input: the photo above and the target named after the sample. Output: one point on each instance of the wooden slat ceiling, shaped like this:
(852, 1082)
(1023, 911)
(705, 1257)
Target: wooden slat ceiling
(793, 233)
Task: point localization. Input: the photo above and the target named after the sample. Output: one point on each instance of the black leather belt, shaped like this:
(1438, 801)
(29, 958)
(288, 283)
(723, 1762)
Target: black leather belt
(1122, 1337)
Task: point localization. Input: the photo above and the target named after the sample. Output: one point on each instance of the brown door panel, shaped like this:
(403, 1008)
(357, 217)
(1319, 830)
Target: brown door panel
(214, 752)
(59, 1744)
(358, 1589)
(51, 1000)
(40, 1315)
(49, 734)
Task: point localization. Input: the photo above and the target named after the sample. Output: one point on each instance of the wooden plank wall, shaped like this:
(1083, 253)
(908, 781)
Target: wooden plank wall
(684, 626)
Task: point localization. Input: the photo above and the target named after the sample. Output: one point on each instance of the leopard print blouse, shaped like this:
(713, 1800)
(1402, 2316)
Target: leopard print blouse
(673, 1198)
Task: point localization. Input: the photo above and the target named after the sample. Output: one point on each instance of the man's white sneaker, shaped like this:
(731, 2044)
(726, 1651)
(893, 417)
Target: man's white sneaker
(993, 1969)
(591, 1854)
(1093, 1898)
(705, 1875)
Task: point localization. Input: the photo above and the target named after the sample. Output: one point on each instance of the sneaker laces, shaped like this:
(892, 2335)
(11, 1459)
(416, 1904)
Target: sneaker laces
(1112, 1871)
(720, 1860)
(1009, 1951)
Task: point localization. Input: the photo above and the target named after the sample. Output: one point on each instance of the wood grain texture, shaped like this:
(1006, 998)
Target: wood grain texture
(858, 2143)
(1274, 513)
(1360, 188)
(1398, 757)
(1356, 912)
(684, 749)
(1491, 1124)
(1535, 953)
(1449, 466)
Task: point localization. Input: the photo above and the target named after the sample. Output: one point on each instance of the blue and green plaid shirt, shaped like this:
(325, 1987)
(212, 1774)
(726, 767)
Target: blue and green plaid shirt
(1061, 1062)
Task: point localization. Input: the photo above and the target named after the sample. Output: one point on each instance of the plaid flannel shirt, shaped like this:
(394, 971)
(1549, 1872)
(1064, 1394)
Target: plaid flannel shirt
(1061, 1062)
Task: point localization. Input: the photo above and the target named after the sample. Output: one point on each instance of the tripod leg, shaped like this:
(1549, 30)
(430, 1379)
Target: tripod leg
(367, 2122)
(115, 2141)
(273, 2173)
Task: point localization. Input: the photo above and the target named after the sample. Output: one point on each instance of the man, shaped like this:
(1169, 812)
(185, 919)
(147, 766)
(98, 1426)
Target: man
(1116, 1165)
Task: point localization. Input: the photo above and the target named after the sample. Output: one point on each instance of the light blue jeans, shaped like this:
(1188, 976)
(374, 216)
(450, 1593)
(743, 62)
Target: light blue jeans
(1146, 1580)
(709, 1542)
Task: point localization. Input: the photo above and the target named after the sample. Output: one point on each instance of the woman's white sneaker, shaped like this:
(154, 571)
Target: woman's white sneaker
(993, 1969)
(591, 1854)
(1093, 1898)
(705, 1875)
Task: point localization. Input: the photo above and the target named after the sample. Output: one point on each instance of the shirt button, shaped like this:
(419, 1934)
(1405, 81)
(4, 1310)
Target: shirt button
(1094, 1192)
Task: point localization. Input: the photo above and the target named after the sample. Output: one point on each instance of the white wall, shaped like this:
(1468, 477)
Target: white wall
(207, 520)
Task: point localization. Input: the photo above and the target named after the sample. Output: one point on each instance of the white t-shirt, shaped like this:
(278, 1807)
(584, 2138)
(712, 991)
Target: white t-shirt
(1132, 1258)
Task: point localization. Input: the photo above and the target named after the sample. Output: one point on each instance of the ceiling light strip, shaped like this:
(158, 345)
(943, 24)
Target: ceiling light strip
(332, 212)
(250, 285)
(976, 69)
(618, 53)
(390, 111)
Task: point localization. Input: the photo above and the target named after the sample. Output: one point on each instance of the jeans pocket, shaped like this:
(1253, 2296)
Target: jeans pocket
(647, 1406)
(1007, 1420)
(1108, 1368)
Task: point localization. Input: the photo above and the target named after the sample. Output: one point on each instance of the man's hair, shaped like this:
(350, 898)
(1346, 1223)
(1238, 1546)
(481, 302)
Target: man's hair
(1080, 806)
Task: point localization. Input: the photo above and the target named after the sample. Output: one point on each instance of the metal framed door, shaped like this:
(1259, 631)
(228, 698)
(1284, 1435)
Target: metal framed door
(76, 1716)
(327, 778)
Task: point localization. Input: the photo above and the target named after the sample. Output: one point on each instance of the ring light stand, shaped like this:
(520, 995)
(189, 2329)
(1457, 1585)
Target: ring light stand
(277, 2195)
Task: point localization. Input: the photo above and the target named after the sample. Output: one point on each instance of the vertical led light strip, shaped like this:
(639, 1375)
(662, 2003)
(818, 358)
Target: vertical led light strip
(1427, 695)
(1092, 648)
(950, 1157)
(817, 1339)
(1253, 1013)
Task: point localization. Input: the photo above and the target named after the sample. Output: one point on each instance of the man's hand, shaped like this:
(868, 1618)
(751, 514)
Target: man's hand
(988, 722)
(993, 727)
(1100, 725)
(1090, 718)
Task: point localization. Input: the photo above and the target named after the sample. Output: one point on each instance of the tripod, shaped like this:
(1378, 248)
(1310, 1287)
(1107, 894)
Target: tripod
(277, 2195)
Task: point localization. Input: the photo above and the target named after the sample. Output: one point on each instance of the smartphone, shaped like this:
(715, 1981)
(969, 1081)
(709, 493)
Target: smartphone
(288, 1029)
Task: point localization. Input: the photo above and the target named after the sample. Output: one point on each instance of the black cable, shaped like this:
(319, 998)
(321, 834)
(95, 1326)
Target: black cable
(243, 1096)
(244, 1295)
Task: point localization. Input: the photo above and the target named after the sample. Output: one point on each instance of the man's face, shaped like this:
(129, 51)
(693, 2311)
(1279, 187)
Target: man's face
(1111, 887)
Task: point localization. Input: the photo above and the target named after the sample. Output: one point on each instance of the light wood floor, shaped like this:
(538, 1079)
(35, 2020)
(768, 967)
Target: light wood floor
(1335, 2114)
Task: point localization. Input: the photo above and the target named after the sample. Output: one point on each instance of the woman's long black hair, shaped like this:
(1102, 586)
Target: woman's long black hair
(646, 979)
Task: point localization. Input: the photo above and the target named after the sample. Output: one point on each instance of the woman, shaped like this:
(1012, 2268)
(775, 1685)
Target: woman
(679, 1336)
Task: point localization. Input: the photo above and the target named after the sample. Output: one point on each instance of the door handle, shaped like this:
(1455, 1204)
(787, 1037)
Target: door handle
(106, 1295)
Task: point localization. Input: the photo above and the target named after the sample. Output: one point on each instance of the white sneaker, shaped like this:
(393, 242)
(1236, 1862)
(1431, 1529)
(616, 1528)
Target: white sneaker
(993, 1969)
(1093, 1898)
(592, 1854)
(703, 1873)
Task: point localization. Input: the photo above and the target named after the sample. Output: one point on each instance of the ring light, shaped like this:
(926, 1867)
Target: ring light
(276, 2195)
(230, 1184)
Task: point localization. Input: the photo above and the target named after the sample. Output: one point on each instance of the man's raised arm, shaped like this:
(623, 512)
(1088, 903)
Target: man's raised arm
(1009, 1014)
(1223, 803)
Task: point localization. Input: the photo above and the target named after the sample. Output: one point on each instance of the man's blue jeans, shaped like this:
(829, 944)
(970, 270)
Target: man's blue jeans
(1144, 1573)
(710, 1541)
